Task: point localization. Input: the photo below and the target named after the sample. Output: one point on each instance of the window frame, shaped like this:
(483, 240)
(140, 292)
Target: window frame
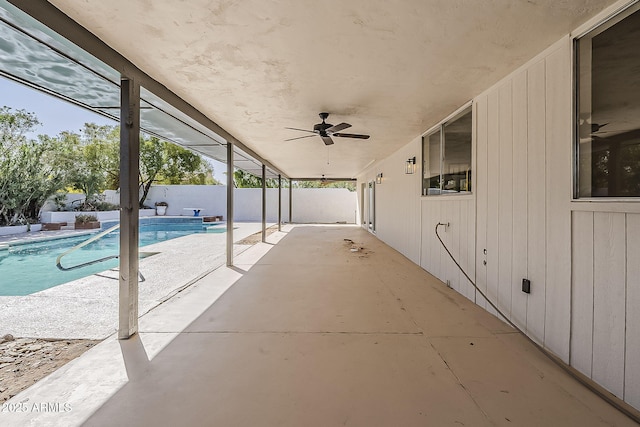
(467, 108)
(593, 30)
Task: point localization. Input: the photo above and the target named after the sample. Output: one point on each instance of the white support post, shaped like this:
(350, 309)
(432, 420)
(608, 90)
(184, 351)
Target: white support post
(264, 204)
(229, 204)
(129, 211)
(290, 200)
(279, 202)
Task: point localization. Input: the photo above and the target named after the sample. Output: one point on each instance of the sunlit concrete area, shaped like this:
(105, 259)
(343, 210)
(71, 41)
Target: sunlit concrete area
(88, 307)
(320, 326)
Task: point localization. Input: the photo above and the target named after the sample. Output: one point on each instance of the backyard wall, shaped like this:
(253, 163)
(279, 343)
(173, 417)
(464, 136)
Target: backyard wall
(70, 216)
(521, 222)
(310, 205)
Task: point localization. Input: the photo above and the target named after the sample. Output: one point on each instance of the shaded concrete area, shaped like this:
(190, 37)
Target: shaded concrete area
(306, 332)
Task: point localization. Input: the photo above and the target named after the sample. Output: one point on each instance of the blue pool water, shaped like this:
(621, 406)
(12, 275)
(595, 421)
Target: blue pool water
(29, 268)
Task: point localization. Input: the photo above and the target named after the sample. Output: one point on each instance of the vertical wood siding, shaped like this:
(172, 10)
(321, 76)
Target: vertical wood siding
(583, 263)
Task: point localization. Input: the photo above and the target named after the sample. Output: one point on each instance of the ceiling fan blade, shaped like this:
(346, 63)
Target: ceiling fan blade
(327, 140)
(338, 127)
(616, 131)
(351, 135)
(300, 137)
(595, 127)
(303, 130)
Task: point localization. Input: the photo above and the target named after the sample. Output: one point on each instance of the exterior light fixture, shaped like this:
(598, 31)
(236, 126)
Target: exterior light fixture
(379, 178)
(410, 166)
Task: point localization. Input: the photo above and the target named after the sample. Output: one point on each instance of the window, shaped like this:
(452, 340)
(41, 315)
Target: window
(372, 206)
(446, 157)
(608, 109)
(432, 163)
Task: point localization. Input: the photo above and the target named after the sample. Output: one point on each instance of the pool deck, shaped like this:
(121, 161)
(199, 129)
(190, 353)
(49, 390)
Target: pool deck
(88, 307)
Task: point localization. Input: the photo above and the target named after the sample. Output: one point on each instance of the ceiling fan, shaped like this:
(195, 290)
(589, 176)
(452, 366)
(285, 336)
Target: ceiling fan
(327, 130)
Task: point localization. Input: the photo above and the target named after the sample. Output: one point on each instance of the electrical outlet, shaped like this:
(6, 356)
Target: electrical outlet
(526, 286)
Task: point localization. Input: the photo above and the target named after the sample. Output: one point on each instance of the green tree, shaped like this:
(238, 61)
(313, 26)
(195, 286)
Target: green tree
(85, 176)
(165, 162)
(184, 167)
(30, 170)
(243, 179)
(103, 152)
(161, 162)
(94, 152)
(349, 185)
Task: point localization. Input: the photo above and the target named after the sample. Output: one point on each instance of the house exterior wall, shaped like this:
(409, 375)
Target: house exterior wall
(397, 208)
(523, 194)
(582, 257)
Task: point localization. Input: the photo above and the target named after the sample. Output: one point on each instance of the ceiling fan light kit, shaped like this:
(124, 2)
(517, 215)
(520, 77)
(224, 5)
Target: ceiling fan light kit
(327, 130)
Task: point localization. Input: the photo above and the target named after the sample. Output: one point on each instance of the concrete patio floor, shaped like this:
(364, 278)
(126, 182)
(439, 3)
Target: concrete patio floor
(304, 332)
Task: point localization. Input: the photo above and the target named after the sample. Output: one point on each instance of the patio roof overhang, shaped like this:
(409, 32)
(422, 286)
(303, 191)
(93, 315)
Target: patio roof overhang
(244, 71)
(393, 71)
(37, 56)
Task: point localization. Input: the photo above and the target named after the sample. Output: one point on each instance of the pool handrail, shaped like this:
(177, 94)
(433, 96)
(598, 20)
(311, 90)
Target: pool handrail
(85, 243)
(95, 261)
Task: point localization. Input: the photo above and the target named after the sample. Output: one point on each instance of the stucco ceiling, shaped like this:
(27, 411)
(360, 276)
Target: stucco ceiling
(390, 68)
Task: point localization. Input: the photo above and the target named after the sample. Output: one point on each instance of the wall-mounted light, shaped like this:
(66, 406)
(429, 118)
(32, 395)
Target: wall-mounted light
(379, 178)
(410, 166)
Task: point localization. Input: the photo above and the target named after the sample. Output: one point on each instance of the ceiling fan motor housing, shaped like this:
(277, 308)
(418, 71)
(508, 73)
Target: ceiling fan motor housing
(322, 127)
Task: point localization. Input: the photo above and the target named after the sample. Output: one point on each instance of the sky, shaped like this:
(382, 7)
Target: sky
(56, 115)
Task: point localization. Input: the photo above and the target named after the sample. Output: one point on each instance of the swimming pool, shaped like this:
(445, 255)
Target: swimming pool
(31, 267)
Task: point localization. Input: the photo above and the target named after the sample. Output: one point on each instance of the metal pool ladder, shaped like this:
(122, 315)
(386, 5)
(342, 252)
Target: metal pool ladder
(95, 261)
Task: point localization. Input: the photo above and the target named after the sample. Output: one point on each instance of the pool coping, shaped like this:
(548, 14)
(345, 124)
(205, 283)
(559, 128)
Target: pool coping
(12, 240)
(46, 238)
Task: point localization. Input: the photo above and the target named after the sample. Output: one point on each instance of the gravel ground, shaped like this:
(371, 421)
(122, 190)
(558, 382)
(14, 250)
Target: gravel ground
(257, 237)
(24, 361)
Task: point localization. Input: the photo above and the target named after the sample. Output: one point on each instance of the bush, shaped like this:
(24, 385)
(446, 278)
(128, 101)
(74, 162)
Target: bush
(93, 204)
(85, 218)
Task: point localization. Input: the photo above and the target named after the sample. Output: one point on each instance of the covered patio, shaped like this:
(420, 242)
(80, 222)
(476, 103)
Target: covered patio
(346, 325)
(305, 331)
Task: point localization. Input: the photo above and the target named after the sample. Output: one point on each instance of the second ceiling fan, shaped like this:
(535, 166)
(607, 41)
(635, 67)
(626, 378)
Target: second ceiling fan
(327, 130)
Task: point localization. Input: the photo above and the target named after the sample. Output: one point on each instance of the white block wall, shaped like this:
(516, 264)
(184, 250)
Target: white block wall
(310, 205)
(583, 258)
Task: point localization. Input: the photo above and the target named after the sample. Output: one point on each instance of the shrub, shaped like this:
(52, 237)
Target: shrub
(30, 170)
(85, 218)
